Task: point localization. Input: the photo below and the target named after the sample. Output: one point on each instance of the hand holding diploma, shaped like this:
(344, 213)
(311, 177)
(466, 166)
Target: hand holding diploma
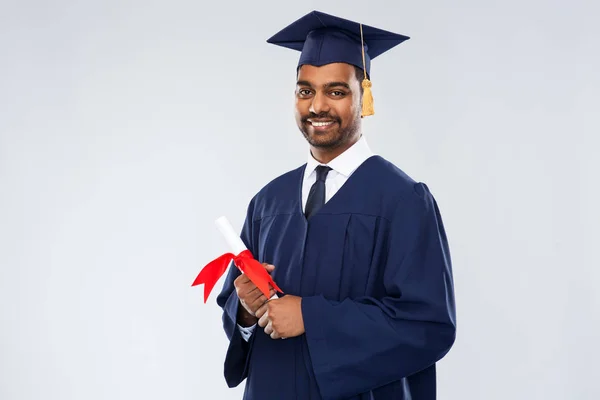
(242, 258)
(251, 299)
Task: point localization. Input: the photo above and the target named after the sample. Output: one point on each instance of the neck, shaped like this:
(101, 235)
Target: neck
(325, 155)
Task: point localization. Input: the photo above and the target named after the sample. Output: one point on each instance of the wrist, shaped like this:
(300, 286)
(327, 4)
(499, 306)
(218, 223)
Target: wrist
(244, 318)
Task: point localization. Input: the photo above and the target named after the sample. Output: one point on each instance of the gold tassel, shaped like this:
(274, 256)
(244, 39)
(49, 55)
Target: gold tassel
(367, 100)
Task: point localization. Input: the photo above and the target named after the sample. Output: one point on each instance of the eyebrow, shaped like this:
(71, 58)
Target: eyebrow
(325, 86)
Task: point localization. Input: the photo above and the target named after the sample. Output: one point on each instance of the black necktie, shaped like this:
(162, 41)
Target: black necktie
(316, 196)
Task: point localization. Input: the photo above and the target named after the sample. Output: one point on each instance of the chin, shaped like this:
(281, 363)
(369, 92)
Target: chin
(324, 141)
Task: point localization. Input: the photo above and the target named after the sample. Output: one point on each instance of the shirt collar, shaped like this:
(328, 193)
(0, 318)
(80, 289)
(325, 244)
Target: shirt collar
(346, 162)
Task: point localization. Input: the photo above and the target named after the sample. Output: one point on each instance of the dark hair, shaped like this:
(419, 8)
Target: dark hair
(360, 75)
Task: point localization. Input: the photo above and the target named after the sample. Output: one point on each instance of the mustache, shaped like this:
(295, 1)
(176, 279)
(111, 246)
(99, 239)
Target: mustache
(321, 116)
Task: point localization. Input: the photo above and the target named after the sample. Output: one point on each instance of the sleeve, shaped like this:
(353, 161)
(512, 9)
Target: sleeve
(357, 345)
(239, 349)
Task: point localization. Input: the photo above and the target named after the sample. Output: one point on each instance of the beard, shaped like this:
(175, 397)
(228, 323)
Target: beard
(332, 138)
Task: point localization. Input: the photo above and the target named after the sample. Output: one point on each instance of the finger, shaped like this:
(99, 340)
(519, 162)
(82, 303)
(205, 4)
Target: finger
(255, 296)
(249, 295)
(264, 319)
(241, 280)
(259, 301)
(259, 298)
(242, 297)
(260, 311)
(248, 305)
(272, 291)
(275, 335)
(256, 305)
(269, 328)
(244, 288)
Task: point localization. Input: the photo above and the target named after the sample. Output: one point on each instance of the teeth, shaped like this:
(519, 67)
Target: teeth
(314, 123)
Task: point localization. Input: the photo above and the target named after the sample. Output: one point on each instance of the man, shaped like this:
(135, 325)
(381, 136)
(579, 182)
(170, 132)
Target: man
(356, 245)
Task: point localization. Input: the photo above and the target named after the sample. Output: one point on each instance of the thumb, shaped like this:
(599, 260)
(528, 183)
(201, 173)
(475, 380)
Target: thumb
(269, 267)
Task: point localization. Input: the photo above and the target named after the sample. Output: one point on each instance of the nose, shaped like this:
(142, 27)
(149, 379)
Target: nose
(319, 104)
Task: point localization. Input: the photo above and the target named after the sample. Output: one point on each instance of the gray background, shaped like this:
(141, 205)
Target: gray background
(127, 127)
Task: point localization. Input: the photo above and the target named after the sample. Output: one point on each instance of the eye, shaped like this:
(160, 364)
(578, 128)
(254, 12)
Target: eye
(304, 92)
(337, 93)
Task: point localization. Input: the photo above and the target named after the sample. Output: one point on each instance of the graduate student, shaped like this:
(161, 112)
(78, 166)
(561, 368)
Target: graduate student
(357, 247)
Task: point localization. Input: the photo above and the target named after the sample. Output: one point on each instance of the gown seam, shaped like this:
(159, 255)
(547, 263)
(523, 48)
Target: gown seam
(329, 213)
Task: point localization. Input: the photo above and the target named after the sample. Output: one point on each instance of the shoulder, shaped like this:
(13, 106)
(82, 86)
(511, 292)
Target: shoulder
(394, 183)
(278, 195)
(281, 184)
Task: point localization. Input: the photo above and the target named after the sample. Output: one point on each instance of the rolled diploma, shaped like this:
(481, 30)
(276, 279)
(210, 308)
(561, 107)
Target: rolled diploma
(233, 240)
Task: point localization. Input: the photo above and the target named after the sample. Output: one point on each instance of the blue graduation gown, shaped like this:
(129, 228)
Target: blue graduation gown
(374, 272)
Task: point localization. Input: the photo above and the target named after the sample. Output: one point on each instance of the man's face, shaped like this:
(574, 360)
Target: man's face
(328, 104)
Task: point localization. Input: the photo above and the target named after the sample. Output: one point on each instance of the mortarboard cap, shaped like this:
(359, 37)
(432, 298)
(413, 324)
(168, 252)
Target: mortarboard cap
(323, 39)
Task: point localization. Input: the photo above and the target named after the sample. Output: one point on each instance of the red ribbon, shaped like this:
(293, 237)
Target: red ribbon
(245, 262)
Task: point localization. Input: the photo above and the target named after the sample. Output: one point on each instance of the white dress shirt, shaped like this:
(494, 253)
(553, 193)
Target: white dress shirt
(341, 168)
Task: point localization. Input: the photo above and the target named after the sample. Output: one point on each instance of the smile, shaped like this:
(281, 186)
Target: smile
(320, 123)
